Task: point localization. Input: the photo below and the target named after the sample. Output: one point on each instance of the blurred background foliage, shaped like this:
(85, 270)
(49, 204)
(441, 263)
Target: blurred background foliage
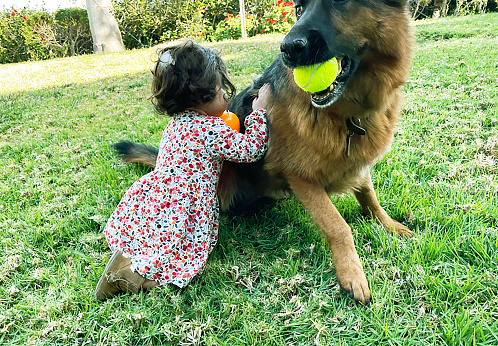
(27, 35)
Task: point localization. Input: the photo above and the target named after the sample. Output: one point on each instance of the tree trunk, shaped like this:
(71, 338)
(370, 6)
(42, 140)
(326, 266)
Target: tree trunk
(242, 19)
(105, 31)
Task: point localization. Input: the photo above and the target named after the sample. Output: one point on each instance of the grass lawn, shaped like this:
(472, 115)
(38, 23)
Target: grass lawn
(270, 280)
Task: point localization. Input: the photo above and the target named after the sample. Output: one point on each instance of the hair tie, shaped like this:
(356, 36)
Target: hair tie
(166, 59)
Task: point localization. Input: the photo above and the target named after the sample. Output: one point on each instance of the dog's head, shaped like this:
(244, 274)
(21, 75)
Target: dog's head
(362, 34)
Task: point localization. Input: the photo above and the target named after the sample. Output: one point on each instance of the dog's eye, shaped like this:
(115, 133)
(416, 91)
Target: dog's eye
(299, 10)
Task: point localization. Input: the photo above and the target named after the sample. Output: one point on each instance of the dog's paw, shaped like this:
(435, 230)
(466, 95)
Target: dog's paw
(352, 278)
(399, 228)
(357, 289)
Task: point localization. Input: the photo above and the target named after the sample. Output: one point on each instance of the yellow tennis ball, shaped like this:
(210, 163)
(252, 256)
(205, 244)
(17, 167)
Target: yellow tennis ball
(317, 77)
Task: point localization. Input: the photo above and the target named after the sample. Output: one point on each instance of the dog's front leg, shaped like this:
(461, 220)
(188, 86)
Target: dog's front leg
(347, 263)
(365, 195)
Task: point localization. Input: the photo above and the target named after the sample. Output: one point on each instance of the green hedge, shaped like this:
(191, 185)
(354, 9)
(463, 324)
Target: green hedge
(29, 35)
(147, 22)
(421, 9)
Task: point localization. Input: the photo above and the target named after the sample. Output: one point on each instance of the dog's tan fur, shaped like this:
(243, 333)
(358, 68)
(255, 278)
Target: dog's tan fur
(308, 145)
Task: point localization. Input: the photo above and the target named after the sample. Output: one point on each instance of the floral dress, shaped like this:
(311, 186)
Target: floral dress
(167, 222)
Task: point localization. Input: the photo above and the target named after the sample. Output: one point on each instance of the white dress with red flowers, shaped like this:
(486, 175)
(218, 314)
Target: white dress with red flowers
(167, 222)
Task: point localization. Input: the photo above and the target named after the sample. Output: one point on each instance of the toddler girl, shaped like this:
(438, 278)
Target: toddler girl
(166, 225)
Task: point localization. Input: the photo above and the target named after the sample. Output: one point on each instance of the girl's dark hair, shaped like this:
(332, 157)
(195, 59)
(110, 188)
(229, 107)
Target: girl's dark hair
(185, 75)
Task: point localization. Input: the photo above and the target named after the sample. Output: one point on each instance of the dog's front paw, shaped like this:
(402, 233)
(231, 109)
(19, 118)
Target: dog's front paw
(396, 227)
(352, 277)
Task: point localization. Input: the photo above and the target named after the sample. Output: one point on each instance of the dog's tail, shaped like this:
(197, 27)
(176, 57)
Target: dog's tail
(136, 153)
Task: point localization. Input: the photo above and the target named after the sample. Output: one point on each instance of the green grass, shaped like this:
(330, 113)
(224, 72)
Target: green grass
(270, 280)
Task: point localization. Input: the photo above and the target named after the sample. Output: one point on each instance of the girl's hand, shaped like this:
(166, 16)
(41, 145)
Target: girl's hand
(262, 100)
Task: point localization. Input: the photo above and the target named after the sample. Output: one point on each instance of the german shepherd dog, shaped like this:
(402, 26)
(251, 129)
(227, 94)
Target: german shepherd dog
(324, 143)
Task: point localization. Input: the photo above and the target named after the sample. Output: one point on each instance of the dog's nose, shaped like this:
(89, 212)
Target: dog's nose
(293, 47)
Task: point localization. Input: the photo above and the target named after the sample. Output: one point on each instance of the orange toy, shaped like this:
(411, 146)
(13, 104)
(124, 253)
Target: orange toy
(231, 120)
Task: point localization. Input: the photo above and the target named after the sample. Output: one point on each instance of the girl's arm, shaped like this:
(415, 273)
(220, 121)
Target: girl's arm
(240, 147)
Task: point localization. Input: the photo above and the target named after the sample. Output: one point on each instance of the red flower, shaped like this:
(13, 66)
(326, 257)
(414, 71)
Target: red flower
(268, 20)
(24, 17)
(281, 3)
(273, 21)
(284, 14)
